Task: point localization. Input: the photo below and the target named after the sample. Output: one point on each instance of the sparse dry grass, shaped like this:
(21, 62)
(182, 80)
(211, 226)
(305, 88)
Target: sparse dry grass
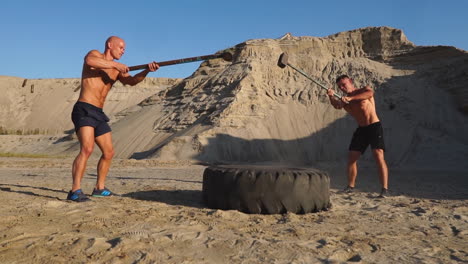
(27, 155)
(21, 132)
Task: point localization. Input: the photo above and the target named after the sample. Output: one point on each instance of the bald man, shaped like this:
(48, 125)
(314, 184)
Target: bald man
(100, 72)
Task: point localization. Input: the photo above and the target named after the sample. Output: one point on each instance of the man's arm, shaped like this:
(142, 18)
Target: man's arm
(337, 104)
(127, 79)
(359, 95)
(94, 59)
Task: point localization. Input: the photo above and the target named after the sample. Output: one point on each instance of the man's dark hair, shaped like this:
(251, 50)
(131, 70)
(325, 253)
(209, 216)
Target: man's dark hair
(341, 77)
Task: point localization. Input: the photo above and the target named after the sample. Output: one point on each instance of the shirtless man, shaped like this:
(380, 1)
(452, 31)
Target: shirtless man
(360, 104)
(100, 72)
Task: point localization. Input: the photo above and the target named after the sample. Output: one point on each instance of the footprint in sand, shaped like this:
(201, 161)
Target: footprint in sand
(419, 211)
(55, 204)
(343, 255)
(97, 245)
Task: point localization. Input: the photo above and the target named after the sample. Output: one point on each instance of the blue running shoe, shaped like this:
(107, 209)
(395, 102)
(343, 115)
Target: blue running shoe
(77, 196)
(102, 193)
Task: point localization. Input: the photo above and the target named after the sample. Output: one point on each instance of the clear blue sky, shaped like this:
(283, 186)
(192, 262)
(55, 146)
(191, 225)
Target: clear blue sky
(48, 39)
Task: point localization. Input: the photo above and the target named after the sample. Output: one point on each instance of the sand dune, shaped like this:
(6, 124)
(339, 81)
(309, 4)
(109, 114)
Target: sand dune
(45, 105)
(250, 110)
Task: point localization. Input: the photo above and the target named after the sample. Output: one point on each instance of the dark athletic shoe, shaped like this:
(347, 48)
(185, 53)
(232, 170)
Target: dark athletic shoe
(348, 189)
(383, 193)
(77, 196)
(102, 193)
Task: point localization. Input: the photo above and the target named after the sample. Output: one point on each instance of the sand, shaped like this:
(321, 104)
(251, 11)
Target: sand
(160, 219)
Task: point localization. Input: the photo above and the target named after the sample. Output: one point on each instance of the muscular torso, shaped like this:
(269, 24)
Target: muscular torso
(363, 111)
(96, 84)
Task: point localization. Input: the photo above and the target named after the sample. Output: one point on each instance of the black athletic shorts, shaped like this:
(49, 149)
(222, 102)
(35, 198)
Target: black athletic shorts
(368, 135)
(85, 114)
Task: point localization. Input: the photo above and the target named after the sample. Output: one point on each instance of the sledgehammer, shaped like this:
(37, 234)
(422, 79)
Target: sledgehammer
(225, 55)
(283, 62)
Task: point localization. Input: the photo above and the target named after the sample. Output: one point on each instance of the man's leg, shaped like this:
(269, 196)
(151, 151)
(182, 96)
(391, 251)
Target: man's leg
(353, 157)
(86, 137)
(382, 165)
(105, 144)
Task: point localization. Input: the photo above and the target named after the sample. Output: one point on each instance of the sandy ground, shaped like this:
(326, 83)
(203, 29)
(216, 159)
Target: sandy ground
(160, 219)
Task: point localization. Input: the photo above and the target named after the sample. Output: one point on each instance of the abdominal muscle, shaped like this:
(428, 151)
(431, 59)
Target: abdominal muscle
(93, 88)
(363, 112)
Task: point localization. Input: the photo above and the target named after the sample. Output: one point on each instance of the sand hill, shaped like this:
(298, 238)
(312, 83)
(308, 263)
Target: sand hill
(252, 111)
(35, 113)
(40, 106)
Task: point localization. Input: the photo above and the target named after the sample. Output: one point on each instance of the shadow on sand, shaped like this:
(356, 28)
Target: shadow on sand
(8, 188)
(191, 198)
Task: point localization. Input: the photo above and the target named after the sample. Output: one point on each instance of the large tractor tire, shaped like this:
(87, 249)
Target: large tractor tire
(266, 190)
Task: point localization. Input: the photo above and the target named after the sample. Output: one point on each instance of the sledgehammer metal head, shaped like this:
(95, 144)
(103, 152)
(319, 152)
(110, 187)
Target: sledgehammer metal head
(283, 60)
(227, 56)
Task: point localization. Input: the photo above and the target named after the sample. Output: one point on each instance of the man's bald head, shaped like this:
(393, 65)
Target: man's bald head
(113, 40)
(115, 47)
